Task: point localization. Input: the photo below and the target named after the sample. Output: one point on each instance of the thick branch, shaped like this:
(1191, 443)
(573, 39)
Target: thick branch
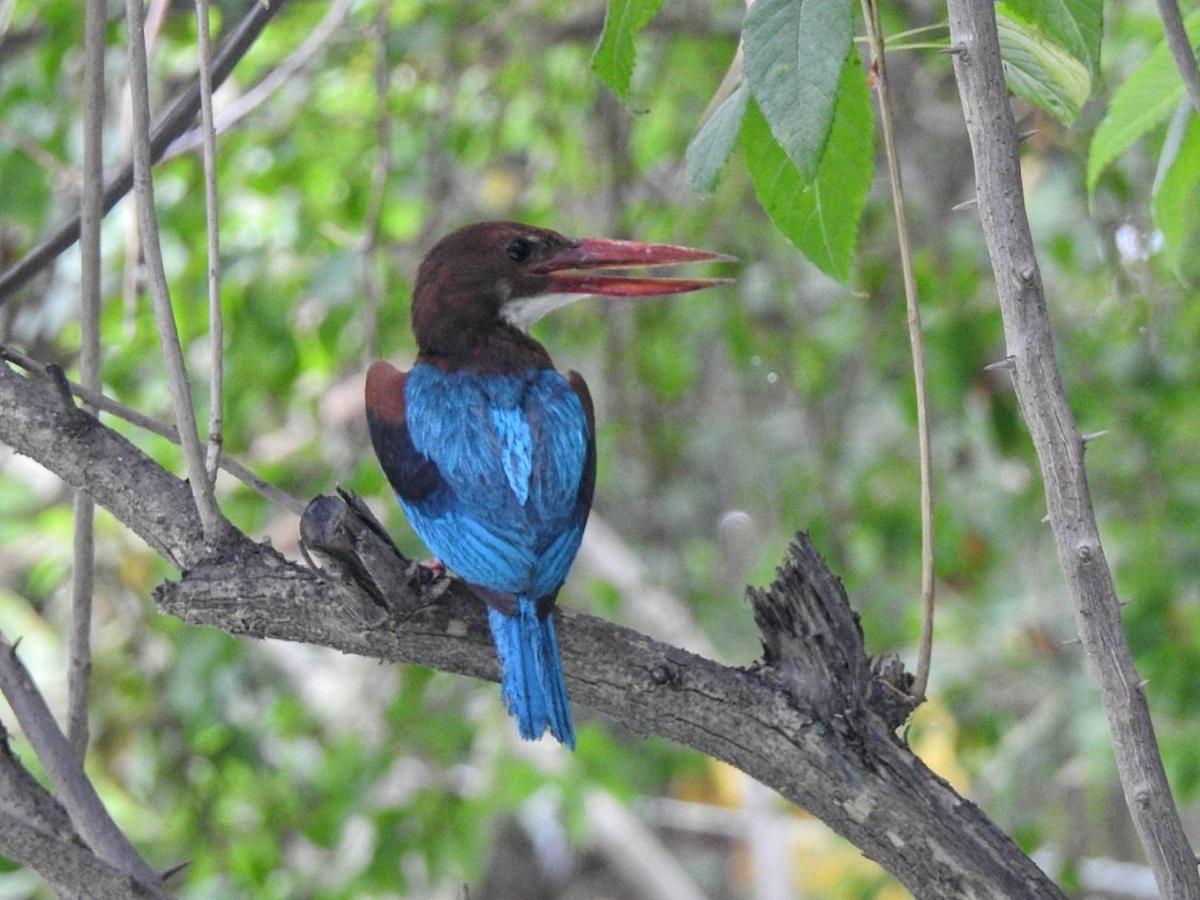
(829, 747)
(73, 871)
(1060, 448)
(22, 796)
(177, 120)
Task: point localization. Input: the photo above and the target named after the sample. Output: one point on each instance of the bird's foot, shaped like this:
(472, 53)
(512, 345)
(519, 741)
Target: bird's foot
(431, 570)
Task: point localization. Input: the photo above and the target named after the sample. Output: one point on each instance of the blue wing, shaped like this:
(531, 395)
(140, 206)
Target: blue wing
(495, 472)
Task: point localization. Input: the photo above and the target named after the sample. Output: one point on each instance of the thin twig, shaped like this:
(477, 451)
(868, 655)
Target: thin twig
(164, 316)
(1046, 410)
(238, 109)
(91, 211)
(256, 483)
(916, 341)
(177, 120)
(216, 328)
(62, 766)
(372, 287)
(1181, 49)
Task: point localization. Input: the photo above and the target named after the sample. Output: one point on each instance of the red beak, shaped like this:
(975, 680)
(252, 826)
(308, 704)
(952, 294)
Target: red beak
(568, 275)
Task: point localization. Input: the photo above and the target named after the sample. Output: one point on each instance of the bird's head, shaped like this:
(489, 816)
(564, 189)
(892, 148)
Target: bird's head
(498, 275)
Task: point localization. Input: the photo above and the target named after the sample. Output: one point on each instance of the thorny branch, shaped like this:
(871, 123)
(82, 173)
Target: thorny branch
(1059, 445)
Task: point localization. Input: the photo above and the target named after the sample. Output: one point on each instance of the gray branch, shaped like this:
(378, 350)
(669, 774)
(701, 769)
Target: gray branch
(65, 769)
(73, 871)
(815, 720)
(1181, 49)
(1060, 448)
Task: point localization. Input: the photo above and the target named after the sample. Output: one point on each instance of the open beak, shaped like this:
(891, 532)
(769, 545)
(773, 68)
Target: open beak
(569, 269)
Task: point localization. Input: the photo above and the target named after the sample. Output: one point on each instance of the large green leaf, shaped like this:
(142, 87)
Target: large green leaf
(1143, 102)
(710, 148)
(614, 56)
(1041, 71)
(819, 215)
(794, 54)
(1177, 193)
(1075, 25)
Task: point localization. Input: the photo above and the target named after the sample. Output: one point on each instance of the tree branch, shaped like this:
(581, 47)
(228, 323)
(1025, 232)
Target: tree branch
(1181, 49)
(22, 796)
(814, 721)
(1060, 448)
(164, 315)
(177, 120)
(65, 770)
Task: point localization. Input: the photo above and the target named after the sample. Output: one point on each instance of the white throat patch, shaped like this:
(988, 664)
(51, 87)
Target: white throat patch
(524, 312)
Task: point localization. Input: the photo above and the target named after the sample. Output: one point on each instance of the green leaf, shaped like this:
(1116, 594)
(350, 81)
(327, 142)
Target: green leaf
(819, 215)
(710, 148)
(1075, 25)
(1177, 193)
(794, 54)
(1040, 71)
(1143, 102)
(613, 60)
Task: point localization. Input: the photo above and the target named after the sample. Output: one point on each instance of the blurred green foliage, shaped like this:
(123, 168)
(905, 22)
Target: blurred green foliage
(727, 421)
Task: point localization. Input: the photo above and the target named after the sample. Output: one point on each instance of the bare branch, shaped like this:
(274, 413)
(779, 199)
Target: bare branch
(252, 480)
(216, 329)
(164, 316)
(372, 288)
(65, 771)
(1181, 49)
(177, 120)
(234, 112)
(916, 342)
(1056, 438)
(825, 742)
(22, 796)
(91, 212)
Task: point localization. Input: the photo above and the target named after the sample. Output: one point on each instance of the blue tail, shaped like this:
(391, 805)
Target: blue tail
(531, 680)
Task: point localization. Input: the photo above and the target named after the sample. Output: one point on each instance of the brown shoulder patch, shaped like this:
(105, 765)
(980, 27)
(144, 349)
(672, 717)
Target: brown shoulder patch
(385, 392)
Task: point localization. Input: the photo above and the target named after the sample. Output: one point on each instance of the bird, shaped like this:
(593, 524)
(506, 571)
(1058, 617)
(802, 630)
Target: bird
(490, 450)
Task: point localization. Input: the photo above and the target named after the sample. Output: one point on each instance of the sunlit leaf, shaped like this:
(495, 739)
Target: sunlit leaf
(1075, 25)
(613, 60)
(794, 54)
(1142, 102)
(819, 215)
(1042, 72)
(710, 148)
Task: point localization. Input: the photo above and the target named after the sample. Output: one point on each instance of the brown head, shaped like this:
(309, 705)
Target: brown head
(501, 277)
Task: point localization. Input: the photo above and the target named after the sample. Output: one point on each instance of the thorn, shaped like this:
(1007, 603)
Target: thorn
(954, 50)
(1009, 362)
(966, 204)
(171, 871)
(1045, 519)
(1142, 684)
(1091, 436)
(1073, 640)
(1026, 135)
(1123, 603)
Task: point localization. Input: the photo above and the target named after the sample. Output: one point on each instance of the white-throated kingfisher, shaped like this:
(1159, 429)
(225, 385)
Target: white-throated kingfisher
(490, 450)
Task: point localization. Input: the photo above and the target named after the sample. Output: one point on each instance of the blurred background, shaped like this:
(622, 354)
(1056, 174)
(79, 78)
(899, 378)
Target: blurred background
(362, 130)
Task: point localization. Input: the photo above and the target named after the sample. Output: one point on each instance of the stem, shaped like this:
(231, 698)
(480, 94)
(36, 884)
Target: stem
(91, 212)
(939, 26)
(216, 328)
(372, 287)
(164, 315)
(1181, 49)
(916, 342)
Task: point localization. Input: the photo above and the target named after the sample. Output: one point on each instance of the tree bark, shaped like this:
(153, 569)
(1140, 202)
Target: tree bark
(815, 720)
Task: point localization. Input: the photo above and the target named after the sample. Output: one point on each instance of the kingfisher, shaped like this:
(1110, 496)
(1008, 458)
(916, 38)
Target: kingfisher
(491, 451)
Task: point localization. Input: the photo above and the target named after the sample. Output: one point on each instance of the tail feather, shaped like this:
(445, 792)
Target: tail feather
(531, 676)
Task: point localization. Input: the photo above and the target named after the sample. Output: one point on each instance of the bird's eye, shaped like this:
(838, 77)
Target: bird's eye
(519, 249)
